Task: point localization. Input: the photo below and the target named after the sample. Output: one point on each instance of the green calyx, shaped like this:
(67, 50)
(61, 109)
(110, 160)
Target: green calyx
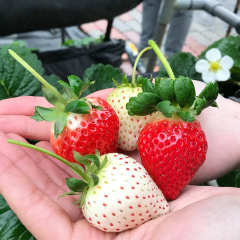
(67, 101)
(87, 167)
(171, 96)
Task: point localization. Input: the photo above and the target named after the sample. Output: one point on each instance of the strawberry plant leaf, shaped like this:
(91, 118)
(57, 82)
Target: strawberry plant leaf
(164, 87)
(67, 91)
(184, 91)
(166, 108)
(145, 103)
(75, 83)
(103, 76)
(78, 106)
(76, 185)
(10, 227)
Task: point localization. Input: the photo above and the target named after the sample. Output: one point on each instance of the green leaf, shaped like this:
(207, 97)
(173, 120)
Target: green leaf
(187, 116)
(83, 41)
(182, 64)
(164, 87)
(166, 108)
(231, 179)
(210, 93)
(10, 227)
(103, 76)
(14, 79)
(76, 185)
(145, 103)
(147, 85)
(78, 106)
(199, 104)
(237, 179)
(67, 91)
(45, 114)
(184, 91)
(77, 85)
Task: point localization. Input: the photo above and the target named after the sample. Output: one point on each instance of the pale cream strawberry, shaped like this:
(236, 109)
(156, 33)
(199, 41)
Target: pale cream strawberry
(125, 196)
(129, 126)
(115, 191)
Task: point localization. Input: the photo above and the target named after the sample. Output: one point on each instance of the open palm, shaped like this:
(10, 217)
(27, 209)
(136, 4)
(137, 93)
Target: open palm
(32, 183)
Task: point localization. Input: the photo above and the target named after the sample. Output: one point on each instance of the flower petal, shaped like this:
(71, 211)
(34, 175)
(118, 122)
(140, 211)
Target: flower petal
(213, 55)
(201, 65)
(208, 76)
(226, 62)
(223, 75)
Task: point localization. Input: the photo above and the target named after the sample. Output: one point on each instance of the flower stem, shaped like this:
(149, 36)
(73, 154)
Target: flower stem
(161, 57)
(136, 62)
(37, 75)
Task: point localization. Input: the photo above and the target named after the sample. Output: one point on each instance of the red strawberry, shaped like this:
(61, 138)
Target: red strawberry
(80, 124)
(85, 133)
(172, 148)
(172, 151)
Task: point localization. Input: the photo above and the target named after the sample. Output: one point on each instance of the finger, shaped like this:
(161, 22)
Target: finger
(22, 158)
(101, 93)
(23, 105)
(25, 126)
(192, 194)
(35, 210)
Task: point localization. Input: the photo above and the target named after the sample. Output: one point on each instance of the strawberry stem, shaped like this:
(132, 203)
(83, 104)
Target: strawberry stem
(136, 62)
(37, 75)
(162, 58)
(71, 165)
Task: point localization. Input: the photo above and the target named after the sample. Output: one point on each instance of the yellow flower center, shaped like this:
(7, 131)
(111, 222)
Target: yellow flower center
(214, 66)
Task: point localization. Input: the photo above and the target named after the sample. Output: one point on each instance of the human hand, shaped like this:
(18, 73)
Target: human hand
(221, 126)
(32, 183)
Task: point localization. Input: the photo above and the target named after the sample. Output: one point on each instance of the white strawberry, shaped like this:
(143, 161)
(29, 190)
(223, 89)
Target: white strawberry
(125, 196)
(129, 126)
(116, 192)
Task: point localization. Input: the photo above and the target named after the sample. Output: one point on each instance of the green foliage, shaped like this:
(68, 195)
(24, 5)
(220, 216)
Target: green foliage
(10, 227)
(83, 42)
(14, 79)
(102, 76)
(231, 179)
(182, 64)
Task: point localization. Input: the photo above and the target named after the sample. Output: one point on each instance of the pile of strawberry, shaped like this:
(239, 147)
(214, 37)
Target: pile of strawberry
(157, 119)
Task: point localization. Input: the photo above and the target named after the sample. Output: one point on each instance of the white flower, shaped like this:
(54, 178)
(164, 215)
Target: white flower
(215, 67)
